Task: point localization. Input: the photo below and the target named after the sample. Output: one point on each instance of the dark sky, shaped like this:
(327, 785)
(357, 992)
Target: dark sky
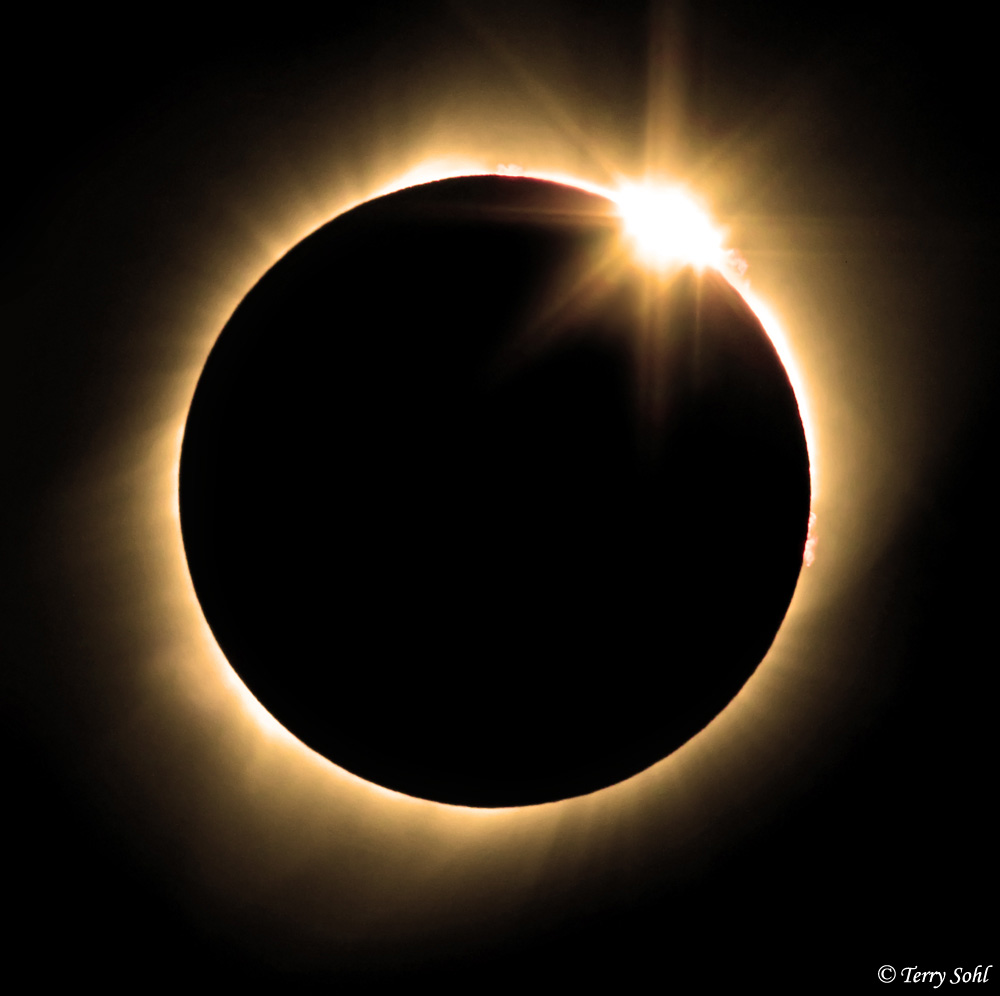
(861, 141)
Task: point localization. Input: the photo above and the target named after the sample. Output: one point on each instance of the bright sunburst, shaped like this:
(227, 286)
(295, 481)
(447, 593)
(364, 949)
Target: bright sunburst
(667, 227)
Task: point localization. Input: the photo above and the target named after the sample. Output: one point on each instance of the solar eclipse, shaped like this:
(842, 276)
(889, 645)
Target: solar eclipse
(480, 508)
(131, 262)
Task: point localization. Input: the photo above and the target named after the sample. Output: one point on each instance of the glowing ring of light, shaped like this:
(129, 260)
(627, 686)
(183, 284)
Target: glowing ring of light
(289, 816)
(693, 241)
(629, 197)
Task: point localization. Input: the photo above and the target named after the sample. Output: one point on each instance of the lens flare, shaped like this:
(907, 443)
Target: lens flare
(668, 228)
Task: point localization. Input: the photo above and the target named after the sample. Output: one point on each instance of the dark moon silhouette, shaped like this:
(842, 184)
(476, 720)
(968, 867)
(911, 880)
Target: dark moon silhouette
(475, 513)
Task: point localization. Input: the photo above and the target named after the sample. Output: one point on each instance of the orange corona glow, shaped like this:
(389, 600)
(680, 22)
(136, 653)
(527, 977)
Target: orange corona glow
(663, 227)
(284, 795)
(151, 242)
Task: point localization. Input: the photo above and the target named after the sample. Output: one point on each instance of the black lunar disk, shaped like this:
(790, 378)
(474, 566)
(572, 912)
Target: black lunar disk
(478, 510)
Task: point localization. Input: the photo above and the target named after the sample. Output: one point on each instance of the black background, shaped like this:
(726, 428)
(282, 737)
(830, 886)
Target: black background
(882, 856)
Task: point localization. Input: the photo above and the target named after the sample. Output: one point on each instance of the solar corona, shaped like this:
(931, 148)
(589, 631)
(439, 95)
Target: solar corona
(495, 489)
(492, 492)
